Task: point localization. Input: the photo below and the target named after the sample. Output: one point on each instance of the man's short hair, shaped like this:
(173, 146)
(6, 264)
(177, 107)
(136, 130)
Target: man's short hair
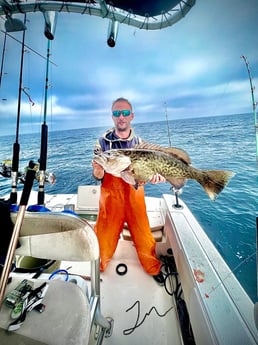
(122, 99)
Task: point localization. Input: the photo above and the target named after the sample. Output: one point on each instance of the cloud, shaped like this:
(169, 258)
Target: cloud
(194, 67)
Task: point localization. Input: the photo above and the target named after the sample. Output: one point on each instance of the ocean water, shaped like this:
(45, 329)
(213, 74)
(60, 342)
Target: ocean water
(222, 142)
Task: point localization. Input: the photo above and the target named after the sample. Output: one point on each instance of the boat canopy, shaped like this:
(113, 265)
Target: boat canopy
(143, 14)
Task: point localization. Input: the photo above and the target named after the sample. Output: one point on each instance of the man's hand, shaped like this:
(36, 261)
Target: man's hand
(157, 178)
(98, 171)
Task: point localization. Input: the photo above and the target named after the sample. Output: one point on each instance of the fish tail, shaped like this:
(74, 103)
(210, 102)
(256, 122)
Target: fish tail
(214, 181)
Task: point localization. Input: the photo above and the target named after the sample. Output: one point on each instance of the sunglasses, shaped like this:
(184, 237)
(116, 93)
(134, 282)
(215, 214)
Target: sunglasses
(117, 113)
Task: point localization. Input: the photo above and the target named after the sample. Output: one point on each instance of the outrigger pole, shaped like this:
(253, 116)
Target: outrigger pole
(253, 101)
(16, 145)
(50, 23)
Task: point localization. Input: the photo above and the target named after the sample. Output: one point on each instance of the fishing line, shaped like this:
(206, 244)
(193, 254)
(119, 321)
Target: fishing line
(207, 295)
(29, 48)
(2, 60)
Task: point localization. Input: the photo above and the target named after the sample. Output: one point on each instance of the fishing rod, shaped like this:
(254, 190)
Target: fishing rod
(16, 145)
(2, 60)
(16, 231)
(168, 129)
(176, 191)
(44, 138)
(50, 25)
(253, 102)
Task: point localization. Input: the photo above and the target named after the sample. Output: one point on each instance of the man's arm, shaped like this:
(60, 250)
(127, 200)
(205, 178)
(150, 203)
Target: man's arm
(98, 172)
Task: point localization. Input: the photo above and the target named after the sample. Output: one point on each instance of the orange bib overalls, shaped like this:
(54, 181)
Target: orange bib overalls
(120, 203)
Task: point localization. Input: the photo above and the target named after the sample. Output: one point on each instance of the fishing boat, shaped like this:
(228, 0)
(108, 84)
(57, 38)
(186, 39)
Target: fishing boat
(52, 291)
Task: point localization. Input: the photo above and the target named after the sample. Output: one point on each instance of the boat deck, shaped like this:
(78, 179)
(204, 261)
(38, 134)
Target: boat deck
(146, 313)
(142, 310)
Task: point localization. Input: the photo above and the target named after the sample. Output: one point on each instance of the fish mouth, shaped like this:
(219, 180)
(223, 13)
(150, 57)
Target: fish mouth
(100, 159)
(105, 158)
(112, 162)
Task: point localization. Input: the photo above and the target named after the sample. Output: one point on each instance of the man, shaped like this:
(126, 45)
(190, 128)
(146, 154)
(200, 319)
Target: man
(119, 201)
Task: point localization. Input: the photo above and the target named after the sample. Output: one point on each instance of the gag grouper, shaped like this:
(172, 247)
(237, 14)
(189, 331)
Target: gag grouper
(145, 160)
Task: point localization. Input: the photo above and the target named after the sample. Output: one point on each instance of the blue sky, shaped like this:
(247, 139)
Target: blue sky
(193, 66)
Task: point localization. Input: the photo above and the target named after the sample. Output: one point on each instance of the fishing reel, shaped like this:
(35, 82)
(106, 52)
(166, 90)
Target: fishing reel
(6, 168)
(48, 177)
(6, 171)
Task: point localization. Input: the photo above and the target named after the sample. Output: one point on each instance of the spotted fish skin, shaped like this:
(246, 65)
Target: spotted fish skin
(142, 162)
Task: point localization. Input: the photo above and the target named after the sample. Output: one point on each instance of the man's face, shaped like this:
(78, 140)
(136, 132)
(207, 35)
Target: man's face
(122, 123)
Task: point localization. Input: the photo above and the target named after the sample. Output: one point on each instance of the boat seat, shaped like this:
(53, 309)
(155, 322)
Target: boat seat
(70, 313)
(16, 339)
(66, 319)
(156, 225)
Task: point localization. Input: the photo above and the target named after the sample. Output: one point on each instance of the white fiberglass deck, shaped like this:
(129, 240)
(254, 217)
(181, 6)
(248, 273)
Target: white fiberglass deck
(143, 312)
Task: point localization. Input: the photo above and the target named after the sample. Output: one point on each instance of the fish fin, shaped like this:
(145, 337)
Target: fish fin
(179, 154)
(127, 176)
(214, 181)
(173, 151)
(177, 183)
